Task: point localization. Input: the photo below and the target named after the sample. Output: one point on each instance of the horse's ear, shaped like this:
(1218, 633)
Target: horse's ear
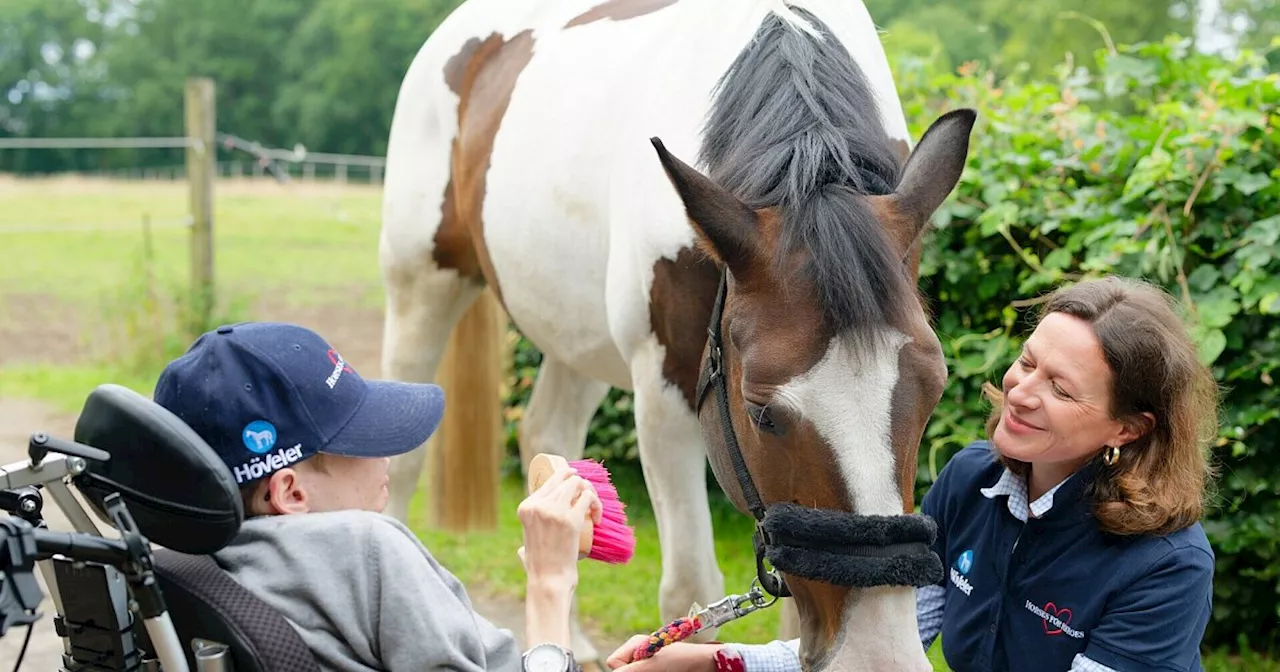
(932, 171)
(724, 224)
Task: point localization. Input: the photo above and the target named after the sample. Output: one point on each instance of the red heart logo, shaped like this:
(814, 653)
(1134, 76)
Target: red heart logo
(1063, 615)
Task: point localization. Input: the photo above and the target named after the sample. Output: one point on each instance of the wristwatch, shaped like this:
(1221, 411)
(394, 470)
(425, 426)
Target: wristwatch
(548, 657)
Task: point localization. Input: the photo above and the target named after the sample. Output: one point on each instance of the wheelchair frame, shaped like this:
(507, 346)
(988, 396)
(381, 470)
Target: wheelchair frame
(93, 569)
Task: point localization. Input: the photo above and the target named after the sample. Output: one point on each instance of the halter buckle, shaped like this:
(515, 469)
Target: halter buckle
(769, 578)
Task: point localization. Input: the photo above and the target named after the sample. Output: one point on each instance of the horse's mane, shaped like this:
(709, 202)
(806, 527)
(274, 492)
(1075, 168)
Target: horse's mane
(795, 126)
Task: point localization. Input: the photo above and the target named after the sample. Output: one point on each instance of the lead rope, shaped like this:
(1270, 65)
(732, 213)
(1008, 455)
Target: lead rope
(714, 615)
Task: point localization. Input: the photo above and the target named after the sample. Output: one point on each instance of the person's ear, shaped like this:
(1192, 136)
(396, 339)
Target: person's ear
(286, 493)
(1135, 428)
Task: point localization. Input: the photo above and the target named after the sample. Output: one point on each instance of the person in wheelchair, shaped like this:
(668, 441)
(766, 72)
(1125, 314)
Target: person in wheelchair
(308, 440)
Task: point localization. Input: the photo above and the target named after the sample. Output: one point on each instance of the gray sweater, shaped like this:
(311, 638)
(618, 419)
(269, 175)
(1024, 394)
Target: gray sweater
(365, 594)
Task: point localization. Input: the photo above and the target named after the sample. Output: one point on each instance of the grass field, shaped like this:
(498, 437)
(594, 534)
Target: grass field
(86, 298)
(88, 295)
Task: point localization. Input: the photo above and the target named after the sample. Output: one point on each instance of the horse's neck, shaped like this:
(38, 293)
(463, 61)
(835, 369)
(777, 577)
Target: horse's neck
(880, 633)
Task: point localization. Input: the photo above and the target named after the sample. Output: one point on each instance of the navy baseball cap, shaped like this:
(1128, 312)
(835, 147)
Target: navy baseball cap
(266, 395)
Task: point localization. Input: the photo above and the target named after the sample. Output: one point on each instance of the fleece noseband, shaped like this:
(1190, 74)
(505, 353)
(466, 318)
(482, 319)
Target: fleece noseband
(834, 547)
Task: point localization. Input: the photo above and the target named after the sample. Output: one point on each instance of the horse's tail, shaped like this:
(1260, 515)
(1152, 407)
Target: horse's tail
(469, 451)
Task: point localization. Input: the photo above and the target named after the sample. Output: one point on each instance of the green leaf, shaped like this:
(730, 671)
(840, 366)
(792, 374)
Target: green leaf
(1270, 304)
(997, 217)
(1217, 307)
(1203, 278)
(1057, 260)
(994, 193)
(1151, 169)
(1211, 346)
(1250, 183)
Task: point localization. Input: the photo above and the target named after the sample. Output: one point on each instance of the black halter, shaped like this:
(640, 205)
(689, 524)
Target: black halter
(820, 544)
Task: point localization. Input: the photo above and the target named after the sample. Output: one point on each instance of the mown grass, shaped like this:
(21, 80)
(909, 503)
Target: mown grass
(298, 245)
(302, 242)
(115, 258)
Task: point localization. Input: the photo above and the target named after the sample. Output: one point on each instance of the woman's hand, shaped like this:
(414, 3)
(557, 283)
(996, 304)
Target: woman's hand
(553, 518)
(678, 657)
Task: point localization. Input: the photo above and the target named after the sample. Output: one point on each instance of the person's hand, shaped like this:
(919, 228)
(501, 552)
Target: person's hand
(553, 518)
(678, 657)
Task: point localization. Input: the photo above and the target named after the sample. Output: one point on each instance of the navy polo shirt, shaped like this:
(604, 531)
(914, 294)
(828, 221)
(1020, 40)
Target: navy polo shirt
(1030, 596)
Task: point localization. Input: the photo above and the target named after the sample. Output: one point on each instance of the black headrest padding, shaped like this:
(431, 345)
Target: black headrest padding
(180, 493)
(205, 601)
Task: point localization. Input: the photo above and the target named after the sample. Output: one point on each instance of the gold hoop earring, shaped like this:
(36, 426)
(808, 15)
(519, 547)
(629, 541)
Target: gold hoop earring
(1111, 455)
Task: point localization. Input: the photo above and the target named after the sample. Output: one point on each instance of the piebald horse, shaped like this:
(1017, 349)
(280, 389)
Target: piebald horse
(536, 150)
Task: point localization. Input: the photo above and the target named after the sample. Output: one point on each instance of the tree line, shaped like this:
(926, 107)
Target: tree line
(325, 73)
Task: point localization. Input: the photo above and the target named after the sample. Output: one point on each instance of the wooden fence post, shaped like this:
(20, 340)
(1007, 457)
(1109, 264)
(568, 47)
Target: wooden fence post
(202, 152)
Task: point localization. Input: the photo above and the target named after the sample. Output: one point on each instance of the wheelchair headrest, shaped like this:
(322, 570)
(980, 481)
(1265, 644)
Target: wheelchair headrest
(180, 493)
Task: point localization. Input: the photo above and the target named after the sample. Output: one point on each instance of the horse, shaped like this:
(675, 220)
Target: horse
(716, 206)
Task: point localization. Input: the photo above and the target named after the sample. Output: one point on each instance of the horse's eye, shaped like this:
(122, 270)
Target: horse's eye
(763, 419)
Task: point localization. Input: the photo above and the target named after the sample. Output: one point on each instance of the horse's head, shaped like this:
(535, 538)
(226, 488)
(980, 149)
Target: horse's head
(829, 370)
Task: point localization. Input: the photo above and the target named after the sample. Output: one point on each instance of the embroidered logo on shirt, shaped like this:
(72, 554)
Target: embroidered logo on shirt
(1056, 619)
(964, 563)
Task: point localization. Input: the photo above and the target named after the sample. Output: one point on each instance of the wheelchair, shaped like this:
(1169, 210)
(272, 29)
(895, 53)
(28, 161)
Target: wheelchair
(122, 605)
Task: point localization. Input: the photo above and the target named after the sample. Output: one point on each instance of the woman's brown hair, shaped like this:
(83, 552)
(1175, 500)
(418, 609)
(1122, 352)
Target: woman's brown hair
(1160, 481)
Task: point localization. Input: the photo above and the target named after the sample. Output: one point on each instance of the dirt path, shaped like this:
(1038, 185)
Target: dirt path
(18, 419)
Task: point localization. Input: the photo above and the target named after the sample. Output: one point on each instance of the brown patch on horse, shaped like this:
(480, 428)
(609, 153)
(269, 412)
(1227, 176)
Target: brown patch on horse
(822, 617)
(453, 247)
(483, 74)
(618, 10)
(681, 298)
(922, 376)
(680, 302)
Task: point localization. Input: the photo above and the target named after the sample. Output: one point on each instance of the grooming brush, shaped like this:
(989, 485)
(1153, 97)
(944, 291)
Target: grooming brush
(612, 541)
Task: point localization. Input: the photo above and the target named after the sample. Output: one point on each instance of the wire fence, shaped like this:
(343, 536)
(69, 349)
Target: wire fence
(281, 164)
(97, 226)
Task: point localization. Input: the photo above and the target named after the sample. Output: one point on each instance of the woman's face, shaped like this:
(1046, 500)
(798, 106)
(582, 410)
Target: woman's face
(1058, 397)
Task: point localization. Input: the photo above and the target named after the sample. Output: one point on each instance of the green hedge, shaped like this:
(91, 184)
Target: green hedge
(1153, 161)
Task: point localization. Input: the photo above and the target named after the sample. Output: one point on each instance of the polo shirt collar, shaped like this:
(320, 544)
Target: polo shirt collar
(1069, 494)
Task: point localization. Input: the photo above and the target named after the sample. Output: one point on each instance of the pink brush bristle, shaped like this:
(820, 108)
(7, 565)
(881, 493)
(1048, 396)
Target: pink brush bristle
(614, 541)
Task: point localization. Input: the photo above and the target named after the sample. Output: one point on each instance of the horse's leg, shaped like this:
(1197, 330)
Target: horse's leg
(559, 412)
(556, 420)
(674, 460)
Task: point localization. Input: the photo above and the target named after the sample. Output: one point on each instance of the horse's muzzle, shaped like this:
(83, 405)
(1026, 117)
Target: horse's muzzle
(845, 549)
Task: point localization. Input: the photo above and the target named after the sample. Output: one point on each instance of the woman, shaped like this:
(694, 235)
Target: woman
(1071, 538)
